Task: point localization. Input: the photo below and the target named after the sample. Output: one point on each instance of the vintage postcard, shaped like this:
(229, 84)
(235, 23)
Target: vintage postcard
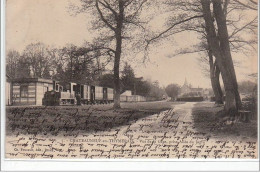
(119, 80)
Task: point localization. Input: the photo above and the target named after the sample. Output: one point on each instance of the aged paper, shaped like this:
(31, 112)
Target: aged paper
(164, 135)
(187, 87)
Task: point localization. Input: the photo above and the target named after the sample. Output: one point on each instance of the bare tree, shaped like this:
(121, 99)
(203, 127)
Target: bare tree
(250, 4)
(12, 61)
(238, 27)
(218, 40)
(39, 59)
(116, 18)
(190, 19)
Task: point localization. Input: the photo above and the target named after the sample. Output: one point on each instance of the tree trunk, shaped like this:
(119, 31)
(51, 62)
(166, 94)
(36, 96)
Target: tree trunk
(118, 34)
(221, 59)
(217, 83)
(214, 77)
(224, 44)
(116, 82)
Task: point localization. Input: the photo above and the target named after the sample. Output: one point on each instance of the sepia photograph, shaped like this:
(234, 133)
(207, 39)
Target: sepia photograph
(130, 79)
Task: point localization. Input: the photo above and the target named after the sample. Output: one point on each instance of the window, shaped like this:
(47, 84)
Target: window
(24, 90)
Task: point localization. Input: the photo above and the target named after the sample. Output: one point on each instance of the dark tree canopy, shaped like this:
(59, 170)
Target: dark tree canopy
(172, 90)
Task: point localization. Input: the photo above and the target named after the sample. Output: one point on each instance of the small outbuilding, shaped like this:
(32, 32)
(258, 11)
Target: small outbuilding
(30, 91)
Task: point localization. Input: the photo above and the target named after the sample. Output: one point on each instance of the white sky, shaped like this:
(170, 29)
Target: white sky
(48, 21)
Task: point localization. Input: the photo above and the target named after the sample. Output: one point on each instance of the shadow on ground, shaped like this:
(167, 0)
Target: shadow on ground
(209, 118)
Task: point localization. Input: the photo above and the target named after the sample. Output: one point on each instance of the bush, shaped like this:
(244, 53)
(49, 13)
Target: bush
(212, 99)
(190, 99)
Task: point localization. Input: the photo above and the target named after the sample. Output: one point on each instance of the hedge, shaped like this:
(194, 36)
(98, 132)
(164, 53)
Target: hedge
(190, 99)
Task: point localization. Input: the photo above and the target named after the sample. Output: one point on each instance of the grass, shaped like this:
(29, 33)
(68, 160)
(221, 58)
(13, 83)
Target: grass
(209, 118)
(73, 120)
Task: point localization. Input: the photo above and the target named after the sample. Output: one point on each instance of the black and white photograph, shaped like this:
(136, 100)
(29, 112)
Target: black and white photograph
(126, 80)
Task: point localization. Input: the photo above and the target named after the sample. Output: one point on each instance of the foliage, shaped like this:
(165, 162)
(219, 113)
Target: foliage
(106, 80)
(247, 87)
(190, 99)
(68, 64)
(39, 60)
(142, 87)
(172, 90)
(128, 79)
(12, 63)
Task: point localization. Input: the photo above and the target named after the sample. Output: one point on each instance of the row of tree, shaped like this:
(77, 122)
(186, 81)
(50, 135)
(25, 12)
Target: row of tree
(121, 26)
(70, 63)
(76, 64)
(138, 85)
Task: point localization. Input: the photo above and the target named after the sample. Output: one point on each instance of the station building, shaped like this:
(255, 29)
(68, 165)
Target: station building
(30, 91)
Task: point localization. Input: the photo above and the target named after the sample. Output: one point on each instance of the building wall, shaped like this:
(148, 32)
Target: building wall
(34, 94)
(133, 98)
(39, 93)
(110, 94)
(20, 99)
(41, 88)
(98, 93)
(7, 93)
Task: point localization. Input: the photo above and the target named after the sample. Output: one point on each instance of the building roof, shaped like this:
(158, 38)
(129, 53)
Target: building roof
(127, 93)
(20, 80)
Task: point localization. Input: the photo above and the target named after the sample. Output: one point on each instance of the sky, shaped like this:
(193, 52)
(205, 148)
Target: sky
(50, 22)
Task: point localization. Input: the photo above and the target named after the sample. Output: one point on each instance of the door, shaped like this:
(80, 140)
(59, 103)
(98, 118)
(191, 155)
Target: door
(104, 93)
(92, 93)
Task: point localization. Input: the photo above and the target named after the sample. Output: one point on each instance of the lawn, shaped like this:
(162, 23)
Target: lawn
(137, 130)
(208, 118)
(69, 120)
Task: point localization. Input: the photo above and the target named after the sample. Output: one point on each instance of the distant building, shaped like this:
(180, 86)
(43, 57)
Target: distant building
(128, 97)
(124, 97)
(187, 90)
(127, 93)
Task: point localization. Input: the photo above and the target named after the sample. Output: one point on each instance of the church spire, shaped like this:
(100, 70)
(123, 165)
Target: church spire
(186, 83)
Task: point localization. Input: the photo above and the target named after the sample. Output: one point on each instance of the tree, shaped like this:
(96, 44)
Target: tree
(23, 68)
(189, 15)
(39, 60)
(218, 40)
(142, 87)
(247, 87)
(238, 27)
(12, 62)
(128, 79)
(116, 18)
(105, 80)
(81, 64)
(155, 90)
(172, 90)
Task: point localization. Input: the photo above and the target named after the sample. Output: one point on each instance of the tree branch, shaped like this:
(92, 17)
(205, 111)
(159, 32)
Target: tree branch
(103, 18)
(106, 5)
(175, 24)
(246, 5)
(242, 28)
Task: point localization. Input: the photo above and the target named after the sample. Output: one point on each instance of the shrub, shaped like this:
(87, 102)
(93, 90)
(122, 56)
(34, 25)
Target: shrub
(190, 99)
